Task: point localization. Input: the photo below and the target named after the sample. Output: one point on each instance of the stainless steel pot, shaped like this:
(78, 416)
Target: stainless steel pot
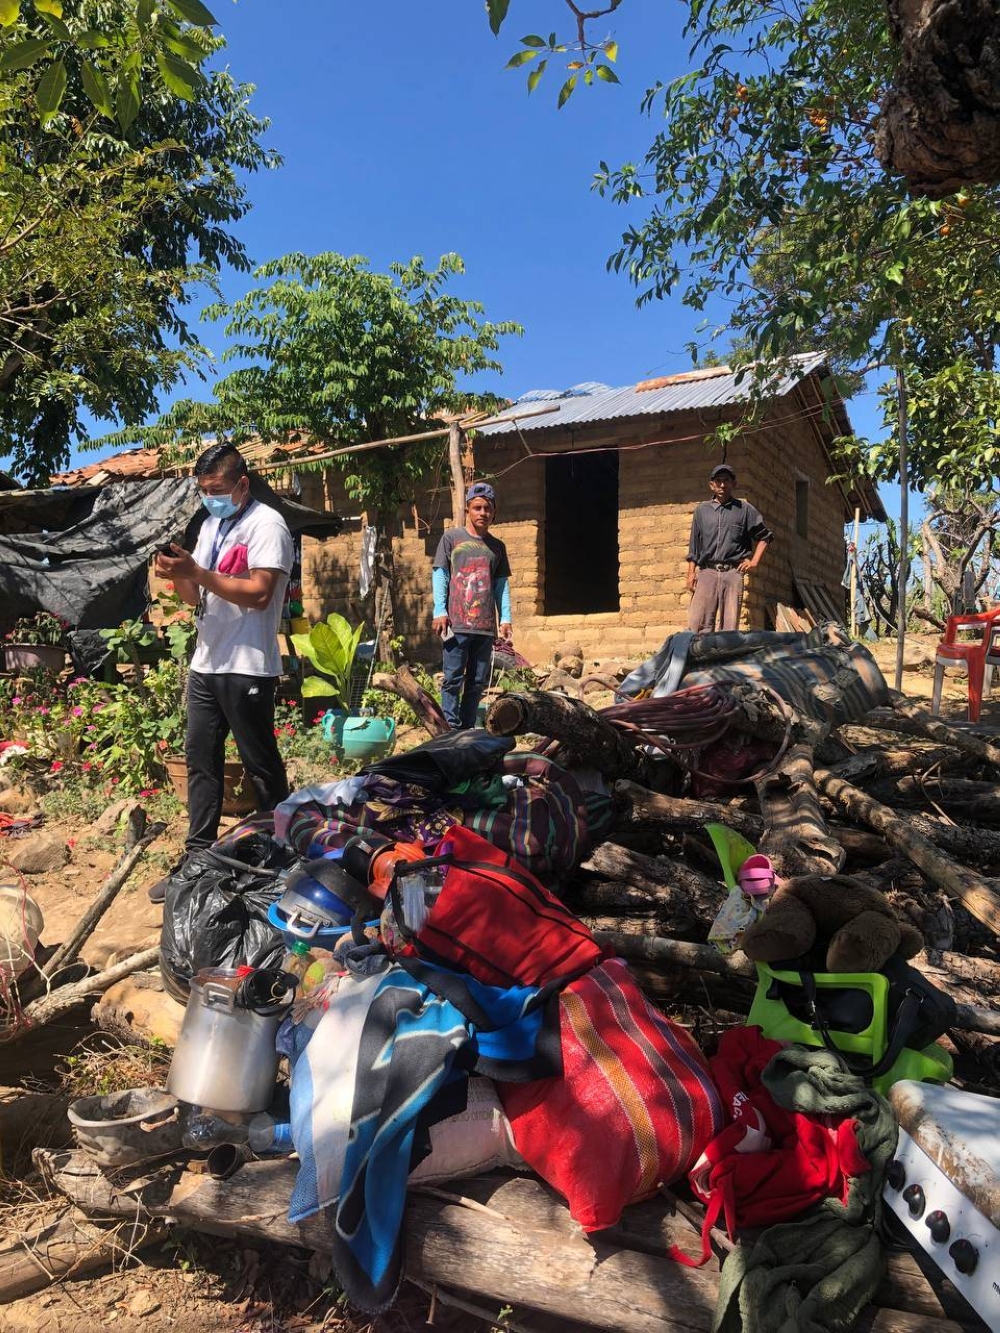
(225, 1057)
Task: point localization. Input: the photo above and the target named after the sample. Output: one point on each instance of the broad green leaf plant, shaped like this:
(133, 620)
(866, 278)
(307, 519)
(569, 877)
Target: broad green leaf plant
(330, 647)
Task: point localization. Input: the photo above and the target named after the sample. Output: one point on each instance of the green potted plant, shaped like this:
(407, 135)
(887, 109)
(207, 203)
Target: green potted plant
(330, 648)
(37, 641)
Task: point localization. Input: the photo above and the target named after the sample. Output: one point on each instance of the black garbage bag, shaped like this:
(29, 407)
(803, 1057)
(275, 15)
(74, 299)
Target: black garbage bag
(215, 911)
(446, 761)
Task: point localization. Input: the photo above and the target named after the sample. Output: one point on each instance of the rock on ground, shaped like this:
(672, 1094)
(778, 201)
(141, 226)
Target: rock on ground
(38, 853)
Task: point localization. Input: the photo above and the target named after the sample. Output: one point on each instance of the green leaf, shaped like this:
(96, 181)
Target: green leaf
(895, 273)
(182, 79)
(533, 40)
(53, 7)
(535, 75)
(23, 54)
(127, 100)
(566, 91)
(606, 73)
(10, 11)
(50, 90)
(195, 12)
(611, 51)
(92, 40)
(144, 12)
(520, 58)
(95, 85)
(58, 27)
(497, 10)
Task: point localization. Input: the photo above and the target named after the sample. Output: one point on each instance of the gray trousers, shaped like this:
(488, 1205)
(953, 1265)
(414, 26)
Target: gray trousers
(718, 595)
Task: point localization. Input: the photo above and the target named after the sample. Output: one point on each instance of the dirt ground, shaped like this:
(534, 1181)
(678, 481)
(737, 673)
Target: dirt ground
(194, 1283)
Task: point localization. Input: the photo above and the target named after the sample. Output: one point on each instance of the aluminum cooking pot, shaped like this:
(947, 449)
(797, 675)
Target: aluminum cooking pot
(225, 1057)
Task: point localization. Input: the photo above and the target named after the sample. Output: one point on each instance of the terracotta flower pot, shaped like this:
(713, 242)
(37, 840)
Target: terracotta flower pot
(34, 656)
(237, 789)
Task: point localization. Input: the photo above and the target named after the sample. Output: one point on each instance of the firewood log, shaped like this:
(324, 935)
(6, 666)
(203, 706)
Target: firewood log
(980, 895)
(509, 1241)
(404, 684)
(906, 718)
(636, 806)
(679, 892)
(795, 834)
(585, 736)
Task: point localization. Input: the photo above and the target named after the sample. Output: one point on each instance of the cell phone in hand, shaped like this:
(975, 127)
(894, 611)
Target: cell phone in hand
(448, 635)
(167, 550)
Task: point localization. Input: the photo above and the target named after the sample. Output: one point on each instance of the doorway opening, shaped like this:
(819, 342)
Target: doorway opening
(581, 534)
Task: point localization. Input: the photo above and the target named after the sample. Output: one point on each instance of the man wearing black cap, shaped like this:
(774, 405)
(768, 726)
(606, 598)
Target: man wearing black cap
(728, 538)
(471, 582)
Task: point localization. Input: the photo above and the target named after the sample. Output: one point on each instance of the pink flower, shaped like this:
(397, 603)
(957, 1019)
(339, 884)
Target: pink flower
(86, 767)
(16, 700)
(114, 781)
(78, 711)
(44, 711)
(55, 766)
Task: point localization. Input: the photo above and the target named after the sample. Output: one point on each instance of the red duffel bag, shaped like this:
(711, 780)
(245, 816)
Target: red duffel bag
(632, 1110)
(495, 921)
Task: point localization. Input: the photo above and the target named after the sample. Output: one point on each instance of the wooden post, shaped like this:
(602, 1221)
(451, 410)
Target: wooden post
(455, 440)
(904, 524)
(854, 571)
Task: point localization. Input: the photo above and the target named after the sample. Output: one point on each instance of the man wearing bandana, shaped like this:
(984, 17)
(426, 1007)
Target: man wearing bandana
(235, 578)
(471, 585)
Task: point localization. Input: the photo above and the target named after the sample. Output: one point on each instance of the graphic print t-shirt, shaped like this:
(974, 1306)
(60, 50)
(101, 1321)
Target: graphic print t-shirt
(473, 565)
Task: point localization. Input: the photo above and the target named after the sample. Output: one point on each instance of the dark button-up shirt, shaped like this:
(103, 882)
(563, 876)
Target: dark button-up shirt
(726, 533)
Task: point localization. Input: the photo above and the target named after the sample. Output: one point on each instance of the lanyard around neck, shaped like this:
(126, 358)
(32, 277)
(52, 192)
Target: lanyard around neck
(226, 526)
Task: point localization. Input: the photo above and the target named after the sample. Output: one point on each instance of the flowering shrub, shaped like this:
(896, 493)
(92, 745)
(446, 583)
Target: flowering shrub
(41, 628)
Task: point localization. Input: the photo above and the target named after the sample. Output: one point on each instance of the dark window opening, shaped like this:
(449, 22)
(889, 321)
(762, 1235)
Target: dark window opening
(802, 508)
(581, 534)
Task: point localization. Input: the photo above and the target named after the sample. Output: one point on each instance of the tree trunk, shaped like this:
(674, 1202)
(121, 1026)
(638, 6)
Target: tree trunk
(905, 717)
(583, 734)
(508, 1241)
(939, 125)
(795, 833)
(404, 684)
(638, 807)
(980, 896)
(683, 895)
(69, 1247)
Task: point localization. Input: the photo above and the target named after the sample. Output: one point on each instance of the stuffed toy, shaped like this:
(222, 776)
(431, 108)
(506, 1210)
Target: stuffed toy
(835, 916)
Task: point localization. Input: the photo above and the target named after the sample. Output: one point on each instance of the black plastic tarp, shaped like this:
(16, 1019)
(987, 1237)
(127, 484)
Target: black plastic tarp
(83, 552)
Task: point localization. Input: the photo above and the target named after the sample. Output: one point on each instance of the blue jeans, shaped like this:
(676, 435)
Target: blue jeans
(466, 660)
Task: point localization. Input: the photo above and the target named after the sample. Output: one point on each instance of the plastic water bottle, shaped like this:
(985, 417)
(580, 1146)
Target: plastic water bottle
(204, 1131)
(267, 1135)
(298, 960)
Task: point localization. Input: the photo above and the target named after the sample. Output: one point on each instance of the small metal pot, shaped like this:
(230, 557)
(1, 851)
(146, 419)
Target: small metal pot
(225, 1056)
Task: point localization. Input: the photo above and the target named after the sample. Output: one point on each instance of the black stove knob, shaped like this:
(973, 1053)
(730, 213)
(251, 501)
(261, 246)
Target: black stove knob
(965, 1255)
(914, 1199)
(939, 1226)
(896, 1175)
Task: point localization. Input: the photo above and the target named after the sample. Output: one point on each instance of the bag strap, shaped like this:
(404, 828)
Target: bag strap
(903, 1026)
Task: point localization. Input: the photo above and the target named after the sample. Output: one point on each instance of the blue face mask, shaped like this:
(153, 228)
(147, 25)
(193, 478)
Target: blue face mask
(221, 506)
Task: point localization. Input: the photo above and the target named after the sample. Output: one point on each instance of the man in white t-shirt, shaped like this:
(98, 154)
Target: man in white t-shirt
(236, 579)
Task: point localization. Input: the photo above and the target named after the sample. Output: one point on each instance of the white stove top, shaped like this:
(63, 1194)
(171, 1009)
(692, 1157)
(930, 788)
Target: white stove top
(960, 1132)
(943, 1185)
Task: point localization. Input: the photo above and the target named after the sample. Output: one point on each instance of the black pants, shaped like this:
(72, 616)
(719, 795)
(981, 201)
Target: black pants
(218, 705)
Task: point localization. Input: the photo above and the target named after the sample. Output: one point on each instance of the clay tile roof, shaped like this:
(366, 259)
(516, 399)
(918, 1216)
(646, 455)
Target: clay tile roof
(137, 464)
(687, 377)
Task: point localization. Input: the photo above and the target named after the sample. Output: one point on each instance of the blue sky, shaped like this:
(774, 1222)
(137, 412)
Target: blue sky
(402, 134)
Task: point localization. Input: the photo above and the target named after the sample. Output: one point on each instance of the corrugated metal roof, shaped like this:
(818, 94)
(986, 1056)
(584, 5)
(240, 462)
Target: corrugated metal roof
(714, 386)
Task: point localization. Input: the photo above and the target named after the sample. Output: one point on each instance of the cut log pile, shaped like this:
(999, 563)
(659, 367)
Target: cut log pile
(901, 798)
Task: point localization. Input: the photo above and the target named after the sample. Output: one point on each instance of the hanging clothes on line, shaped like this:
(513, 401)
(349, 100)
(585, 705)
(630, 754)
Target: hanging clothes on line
(369, 541)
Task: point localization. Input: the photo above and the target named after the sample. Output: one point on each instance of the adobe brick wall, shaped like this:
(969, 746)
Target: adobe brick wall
(663, 472)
